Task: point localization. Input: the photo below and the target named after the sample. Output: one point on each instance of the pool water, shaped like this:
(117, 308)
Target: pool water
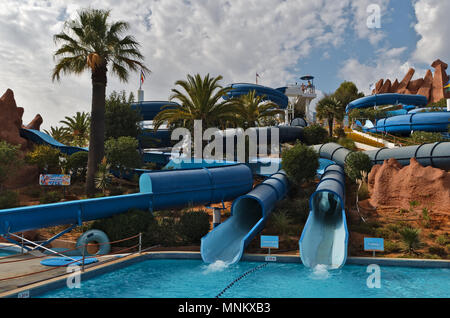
(195, 279)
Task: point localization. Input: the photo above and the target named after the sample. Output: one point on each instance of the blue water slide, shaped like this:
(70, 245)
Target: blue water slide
(158, 191)
(155, 139)
(175, 188)
(427, 110)
(274, 95)
(436, 155)
(41, 138)
(405, 124)
(150, 109)
(387, 99)
(324, 238)
(249, 214)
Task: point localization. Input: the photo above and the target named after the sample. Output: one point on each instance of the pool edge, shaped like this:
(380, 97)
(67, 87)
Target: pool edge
(39, 288)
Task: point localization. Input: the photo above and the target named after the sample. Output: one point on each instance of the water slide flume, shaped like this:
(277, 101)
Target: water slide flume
(249, 214)
(325, 236)
(158, 191)
(405, 124)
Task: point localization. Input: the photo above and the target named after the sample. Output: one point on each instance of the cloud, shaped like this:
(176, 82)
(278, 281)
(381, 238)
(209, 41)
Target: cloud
(235, 39)
(388, 65)
(432, 24)
(362, 13)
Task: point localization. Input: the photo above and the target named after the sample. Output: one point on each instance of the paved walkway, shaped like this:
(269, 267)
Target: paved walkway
(25, 267)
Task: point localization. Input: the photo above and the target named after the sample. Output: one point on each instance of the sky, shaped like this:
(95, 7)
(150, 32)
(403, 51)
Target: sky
(281, 40)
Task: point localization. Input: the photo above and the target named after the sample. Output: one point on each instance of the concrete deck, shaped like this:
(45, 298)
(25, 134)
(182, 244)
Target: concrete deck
(23, 267)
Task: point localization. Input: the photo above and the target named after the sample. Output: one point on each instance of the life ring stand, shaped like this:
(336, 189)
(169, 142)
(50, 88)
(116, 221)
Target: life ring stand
(94, 236)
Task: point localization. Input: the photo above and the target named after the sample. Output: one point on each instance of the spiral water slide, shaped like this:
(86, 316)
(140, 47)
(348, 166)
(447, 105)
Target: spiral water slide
(405, 122)
(325, 236)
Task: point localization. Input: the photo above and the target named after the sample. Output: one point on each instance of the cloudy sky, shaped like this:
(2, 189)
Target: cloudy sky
(280, 39)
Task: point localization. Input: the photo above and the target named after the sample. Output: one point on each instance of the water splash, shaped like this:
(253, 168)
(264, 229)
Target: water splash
(320, 272)
(217, 266)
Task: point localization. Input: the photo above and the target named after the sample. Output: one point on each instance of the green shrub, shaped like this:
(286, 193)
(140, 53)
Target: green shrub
(392, 247)
(355, 163)
(426, 217)
(76, 165)
(347, 143)
(47, 197)
(125, 225)
(339, 132)
(9, 160)
(363, 192)
(393, 227)
(411, 238)
(443, 240)
(120, 119)
(103, 176)
(280, 222)
(300, 163)
(421, 137)
(122, 154)
(48, 159)
(193, 225)
(438, 250)
(315, 134)
(166, 233)
(9, 199)
(384, 233)
(363, 228)
(296, 210)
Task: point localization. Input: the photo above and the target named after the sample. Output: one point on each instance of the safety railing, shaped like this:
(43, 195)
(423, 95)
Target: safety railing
(82, 261)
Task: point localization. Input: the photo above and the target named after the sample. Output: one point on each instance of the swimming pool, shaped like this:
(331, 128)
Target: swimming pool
(195, 279)
(8, 250)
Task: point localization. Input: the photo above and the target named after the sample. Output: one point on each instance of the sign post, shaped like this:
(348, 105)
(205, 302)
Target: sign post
(55, 180)
(270, 242)
(373, 245)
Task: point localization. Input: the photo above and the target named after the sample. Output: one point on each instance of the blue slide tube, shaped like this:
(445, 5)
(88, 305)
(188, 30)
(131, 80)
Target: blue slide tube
(436, 154)
(271, 94)
(249, 214)
(159, 190)
(387, 99)
(41, 138)
(404, 124)
(325, 236)
(172, 189)
(150, 109)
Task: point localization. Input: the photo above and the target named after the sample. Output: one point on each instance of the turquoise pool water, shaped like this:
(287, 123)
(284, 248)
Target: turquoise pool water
(194, 279)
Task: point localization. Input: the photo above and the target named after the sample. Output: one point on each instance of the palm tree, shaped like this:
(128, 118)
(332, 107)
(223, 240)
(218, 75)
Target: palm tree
(77, 128)
(252, 111)
(330, 108)
(201, 101)
(59, 133)
(92, 43)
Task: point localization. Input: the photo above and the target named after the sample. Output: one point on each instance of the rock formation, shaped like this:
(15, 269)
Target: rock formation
(35, 123)
(392, 185)
(432, 87)
(11, 120)
(10, 124)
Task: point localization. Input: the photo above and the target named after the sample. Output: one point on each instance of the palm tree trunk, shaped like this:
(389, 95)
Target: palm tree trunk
(97, 134)
(330, 126)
